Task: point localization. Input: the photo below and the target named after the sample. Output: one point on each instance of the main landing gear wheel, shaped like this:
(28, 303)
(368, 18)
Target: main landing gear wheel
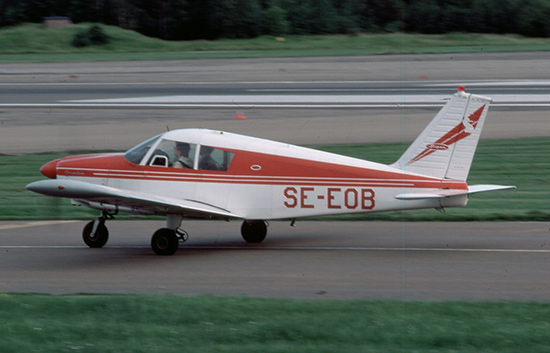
(95, 238)
(165, 242)
(254, 231)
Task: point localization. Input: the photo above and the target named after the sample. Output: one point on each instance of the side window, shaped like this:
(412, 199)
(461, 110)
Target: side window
(211, 158)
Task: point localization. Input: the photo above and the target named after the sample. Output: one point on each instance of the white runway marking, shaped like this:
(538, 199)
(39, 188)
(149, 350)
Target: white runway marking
(208, 105)
(283, 248)
(428, 83)
(354, 248)
(288, 101)
(393, 99)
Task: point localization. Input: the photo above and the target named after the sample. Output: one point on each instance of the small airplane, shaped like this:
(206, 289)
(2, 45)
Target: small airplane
(206, 174)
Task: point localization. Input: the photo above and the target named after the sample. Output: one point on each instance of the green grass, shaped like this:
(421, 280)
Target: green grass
(519, 162)
(33, 43)
(138, 323)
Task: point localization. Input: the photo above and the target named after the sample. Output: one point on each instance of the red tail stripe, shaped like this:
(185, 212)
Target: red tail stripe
(456, 134)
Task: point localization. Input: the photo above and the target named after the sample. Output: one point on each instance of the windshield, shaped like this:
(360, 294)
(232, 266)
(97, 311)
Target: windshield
(136, 154)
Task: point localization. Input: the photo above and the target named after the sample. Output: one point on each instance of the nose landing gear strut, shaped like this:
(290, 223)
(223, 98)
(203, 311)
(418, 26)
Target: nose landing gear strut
(95, 234)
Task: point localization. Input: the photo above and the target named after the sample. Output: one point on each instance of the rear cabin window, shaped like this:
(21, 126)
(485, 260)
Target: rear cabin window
(211, 158)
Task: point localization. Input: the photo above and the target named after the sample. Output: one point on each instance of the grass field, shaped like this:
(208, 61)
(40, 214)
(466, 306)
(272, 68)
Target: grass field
(137, 323)
(33, 43)
(520, 162)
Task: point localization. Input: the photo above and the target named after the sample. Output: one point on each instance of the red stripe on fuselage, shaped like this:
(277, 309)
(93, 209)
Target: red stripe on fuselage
(275, 170)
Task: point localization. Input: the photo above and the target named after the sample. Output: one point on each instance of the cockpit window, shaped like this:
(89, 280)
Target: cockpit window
(176, 154)
(170, 153)
(136, 154)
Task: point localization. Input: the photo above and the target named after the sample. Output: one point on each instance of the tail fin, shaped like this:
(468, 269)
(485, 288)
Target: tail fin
(445, 149)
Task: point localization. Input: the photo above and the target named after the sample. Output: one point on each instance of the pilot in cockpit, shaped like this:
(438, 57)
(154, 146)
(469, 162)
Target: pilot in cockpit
(181, 151)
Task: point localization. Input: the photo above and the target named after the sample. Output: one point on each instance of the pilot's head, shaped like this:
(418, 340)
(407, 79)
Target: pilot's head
(182, 148)
(206, 150)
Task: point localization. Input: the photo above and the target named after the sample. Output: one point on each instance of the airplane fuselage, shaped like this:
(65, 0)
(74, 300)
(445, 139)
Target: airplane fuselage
(282, 181)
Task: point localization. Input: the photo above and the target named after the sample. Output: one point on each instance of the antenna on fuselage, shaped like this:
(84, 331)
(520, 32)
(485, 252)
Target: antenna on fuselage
(167, 128)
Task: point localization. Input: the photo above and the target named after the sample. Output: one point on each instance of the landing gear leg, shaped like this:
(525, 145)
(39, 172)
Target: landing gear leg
(95, 233)
(166, 241)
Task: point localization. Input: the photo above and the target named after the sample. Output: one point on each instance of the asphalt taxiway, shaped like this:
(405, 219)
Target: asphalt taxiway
(330, 260)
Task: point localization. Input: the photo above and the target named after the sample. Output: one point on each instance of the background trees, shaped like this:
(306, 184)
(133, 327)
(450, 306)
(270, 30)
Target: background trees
(211, 19)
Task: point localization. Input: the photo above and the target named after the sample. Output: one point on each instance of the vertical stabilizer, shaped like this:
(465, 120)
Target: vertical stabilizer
(445, 149)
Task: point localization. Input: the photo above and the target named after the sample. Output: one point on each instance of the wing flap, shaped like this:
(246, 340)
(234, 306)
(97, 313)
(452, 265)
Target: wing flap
(80, 190)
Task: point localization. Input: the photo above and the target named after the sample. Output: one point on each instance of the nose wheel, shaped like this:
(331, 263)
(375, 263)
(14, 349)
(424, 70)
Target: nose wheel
(95, 233)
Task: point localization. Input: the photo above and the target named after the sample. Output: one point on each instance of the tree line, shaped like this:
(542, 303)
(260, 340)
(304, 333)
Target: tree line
(212, 19)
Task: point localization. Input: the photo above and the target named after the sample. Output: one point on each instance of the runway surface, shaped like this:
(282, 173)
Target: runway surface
(336, 260)
(76, 106)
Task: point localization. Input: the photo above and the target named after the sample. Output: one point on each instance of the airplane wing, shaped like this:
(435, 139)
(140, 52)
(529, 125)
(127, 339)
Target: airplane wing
(138, 202)
(439, 194)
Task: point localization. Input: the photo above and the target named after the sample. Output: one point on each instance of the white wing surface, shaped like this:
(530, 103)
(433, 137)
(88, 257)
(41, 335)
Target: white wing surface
(98, 196)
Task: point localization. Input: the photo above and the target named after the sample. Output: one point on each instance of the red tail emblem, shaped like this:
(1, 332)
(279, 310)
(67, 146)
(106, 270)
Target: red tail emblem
(454, 135)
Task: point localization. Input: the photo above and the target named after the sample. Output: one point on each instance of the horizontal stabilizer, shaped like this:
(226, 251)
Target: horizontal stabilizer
(474, 189)
(445, 193)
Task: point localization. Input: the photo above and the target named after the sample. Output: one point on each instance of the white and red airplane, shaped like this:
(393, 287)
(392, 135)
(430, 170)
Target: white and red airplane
(198, 173)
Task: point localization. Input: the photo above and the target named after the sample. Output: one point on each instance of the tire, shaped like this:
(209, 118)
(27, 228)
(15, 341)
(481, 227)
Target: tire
(164, 242)
(254, 231)
(97, 240)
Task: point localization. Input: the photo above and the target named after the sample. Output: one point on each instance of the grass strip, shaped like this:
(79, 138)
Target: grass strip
(519, 162)
(161, 323)
(33, 43)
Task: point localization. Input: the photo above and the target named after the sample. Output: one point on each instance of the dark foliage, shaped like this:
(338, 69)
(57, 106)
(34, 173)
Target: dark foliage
(94, 36)
(211, 19)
